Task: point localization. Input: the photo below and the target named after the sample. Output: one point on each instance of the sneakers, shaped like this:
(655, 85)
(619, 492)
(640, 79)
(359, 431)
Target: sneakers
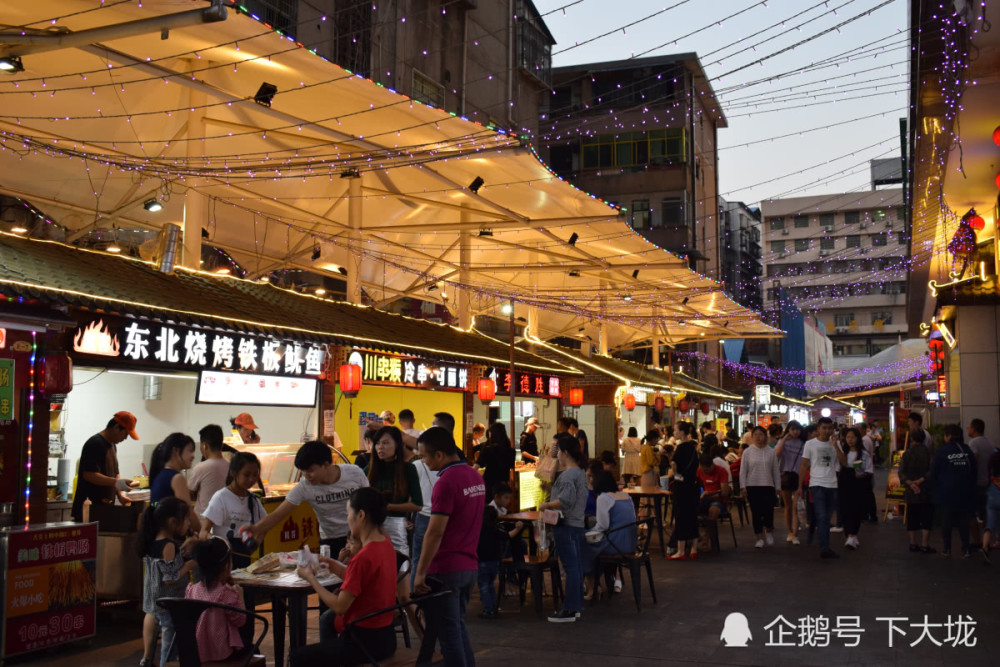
(828, 553)
(769, 539)
(852, 542)
(564, 616)
(618, 585)
(789, 537)
(795, 540)
(836, 529)
(146, 662)
(759, 544)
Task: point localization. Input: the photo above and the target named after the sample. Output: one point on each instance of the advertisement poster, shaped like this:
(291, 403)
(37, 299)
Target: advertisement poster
(6, 390)
(893, 488)
(50, 592)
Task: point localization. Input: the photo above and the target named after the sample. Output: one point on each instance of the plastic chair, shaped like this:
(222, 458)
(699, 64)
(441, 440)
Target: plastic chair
(633, 562)
(185, 614)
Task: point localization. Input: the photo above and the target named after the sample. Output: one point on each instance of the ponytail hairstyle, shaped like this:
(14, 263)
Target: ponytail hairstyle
(239, 461)
(369, 500)
(212, 556)
(165, 451)
(156, 517)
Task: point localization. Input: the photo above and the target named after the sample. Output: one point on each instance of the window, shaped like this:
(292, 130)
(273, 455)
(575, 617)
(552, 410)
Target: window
(854, 241)
(640, 214)
(883, 316)
(777, 246)
(903, 238)
(901, 214)
(878, 215)
(880, 239)
(801, 245)
(673, 215)
(843, 319)
(827, 243)
(852, 217)
(894, 288)
(633, 149)
(826, 220)
(801, 220)
(280, 14)
(427, 90)
(777, 223)
(534, 48)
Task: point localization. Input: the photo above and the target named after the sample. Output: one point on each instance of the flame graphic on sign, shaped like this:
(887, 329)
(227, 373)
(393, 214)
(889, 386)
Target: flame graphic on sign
(96, 338)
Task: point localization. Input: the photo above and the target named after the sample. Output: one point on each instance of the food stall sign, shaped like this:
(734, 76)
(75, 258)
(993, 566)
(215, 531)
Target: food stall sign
(49, 581)
(528, 384)
(774, 409)
(762, 393)
(6, 390)
(402, 371)
(250, 389)
(172, 346)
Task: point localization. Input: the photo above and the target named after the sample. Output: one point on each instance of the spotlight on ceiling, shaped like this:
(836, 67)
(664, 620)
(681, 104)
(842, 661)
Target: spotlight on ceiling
(627, 297)
(265, 94)
(114, 247)
(685, 301)
(477, 183)
(19, 229)
(573, 238)
(152, 205)
(574, 274)
(486, 232)
(635, 274)
(11, 64)
(320, 291)
(223, 271)
(350, 173)
(431, 288)
(726, 324)
(342, 271)
(317, 251)
(506, 309)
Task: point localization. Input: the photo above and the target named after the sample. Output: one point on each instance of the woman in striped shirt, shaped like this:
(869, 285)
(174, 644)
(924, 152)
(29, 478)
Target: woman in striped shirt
(759, 478)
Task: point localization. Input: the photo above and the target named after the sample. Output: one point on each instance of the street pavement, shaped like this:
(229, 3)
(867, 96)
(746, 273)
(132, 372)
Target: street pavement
(801, 610)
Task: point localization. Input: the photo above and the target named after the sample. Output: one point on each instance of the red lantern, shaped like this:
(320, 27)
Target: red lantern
(684, 406)
(997, 180)
(487, 390)
(977, 222)
(56, 375)
(576, 397)
(659, 404)
(705, 409)
(996, 136)
(350, 380)
(629, 402)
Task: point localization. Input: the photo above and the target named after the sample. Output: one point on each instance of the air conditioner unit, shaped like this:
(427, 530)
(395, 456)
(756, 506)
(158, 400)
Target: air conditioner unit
(861, 225)
(888, 223)
(784, 232)
(862, 251)
(840, 330)
(824, 253)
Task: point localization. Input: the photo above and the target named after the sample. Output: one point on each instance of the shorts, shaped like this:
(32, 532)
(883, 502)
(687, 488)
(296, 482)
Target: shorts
(789, 481)
(705, 504)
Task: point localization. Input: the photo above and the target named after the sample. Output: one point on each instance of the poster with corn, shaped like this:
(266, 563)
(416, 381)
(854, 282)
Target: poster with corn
(49, 586)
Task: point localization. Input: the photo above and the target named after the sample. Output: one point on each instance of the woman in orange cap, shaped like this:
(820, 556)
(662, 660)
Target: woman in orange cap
(243, 423)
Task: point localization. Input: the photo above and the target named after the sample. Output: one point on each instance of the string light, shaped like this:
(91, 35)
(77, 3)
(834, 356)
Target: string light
(31, 428)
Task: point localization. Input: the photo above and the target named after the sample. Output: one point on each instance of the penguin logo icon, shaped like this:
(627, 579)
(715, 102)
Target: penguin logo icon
(736, 631)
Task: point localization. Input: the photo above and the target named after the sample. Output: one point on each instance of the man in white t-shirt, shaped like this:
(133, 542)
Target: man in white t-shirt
(422, 518)
(406, 425)
(820, 457)
(326, 487)
(210, 475)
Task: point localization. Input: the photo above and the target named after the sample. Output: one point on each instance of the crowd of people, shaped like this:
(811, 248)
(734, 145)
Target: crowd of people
(414, 515)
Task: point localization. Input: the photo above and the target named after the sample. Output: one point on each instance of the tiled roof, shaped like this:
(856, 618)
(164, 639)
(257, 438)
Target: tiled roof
(57, 274)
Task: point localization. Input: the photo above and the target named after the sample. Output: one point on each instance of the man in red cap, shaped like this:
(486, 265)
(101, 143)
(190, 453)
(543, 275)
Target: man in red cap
(97, 474)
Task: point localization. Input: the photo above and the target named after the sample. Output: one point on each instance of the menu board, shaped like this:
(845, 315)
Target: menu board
(50, 586)
(529, 489)
(893, 488)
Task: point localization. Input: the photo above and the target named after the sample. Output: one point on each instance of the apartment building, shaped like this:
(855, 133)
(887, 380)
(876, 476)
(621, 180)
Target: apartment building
(740, 269)
(643, 134)
(844, 259)
(485, 60)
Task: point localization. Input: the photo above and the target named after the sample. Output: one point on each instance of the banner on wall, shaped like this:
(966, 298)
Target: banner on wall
(405, 371)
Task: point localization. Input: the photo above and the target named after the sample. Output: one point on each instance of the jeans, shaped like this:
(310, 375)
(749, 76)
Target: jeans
(168, 651)
(420, 523)
(568, 547)
(993, 510)
(488, 570)
(825, 500)
(444, 618)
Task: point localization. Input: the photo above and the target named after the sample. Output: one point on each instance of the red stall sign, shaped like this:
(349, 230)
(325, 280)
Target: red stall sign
(50, 587)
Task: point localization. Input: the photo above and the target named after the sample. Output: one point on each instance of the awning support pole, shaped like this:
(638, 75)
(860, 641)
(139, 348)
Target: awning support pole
(464, 295)
(354, 212)
(195, 203)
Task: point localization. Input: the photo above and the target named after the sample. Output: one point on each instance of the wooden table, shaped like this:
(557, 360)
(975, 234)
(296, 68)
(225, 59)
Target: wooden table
(528, 515)
(658, 495)
(289, 594)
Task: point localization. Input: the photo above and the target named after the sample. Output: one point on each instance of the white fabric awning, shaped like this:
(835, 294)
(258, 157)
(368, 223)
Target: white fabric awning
(379, 182)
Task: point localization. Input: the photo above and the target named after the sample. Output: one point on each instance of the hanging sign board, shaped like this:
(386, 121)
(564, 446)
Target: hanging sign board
(762, 394)
(250, 389)
(6, 390)
(528, 384)
(404, 371)
(169, 346)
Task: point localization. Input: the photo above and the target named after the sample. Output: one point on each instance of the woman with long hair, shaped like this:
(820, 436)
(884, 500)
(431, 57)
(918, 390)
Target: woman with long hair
(496, 459)
(569, 496)
(172, 456)
(853, 484)
(630, 448)
(759, 478)
(369, 585)
(684, 465)
(789, 454)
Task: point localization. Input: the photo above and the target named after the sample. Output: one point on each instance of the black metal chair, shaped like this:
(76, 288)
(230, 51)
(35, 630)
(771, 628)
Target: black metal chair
(185, 614)
(532, 568)
(396, 609)
(633, 562)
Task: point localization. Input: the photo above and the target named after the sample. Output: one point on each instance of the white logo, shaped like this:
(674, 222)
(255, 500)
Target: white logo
(736, 631)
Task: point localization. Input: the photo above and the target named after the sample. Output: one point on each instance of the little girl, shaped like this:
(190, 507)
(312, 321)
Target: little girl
(218, 630)
(234, 506)
(165, 572)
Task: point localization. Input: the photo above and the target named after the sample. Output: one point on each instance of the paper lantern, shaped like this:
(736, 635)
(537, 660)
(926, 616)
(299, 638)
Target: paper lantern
(576, 397)
(977, 222)
(629, 402)
(350, 380)
(996, 136)
(684, 406)
(487, 390)
(659, 404)
(56, 375)
(705, 409)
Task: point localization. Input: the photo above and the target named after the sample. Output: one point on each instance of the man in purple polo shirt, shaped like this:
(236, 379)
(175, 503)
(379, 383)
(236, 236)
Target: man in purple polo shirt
(448, 555)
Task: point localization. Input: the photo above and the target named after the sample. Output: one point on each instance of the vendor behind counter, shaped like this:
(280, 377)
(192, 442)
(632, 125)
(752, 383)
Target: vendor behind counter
(97, 475)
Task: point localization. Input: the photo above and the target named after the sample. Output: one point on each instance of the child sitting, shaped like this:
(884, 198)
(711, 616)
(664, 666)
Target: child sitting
(492, 545)
(218, 630)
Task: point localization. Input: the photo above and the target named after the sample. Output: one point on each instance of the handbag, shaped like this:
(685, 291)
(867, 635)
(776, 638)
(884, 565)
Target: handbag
(551, 517)
(547, 468)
